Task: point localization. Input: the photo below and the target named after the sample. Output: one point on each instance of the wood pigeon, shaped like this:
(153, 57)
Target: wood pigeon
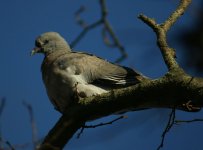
(68, 74)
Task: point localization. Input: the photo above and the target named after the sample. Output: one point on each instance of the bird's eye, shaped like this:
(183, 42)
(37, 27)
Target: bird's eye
(38, 44)
(46, 41)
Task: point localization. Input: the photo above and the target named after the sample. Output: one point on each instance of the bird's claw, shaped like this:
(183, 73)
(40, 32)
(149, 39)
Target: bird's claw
(189, 106)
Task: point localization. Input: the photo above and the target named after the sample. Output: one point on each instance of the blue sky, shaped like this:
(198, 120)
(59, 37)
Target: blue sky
(22, 21)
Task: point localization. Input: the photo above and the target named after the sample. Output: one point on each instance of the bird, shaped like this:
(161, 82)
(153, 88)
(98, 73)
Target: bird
(70, 75)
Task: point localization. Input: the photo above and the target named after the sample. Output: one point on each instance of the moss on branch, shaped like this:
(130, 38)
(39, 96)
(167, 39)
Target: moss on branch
(172, 90)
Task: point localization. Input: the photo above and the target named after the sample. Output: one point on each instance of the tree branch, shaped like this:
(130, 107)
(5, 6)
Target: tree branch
(167, 92)
(99, 125)
(168, 127)
(174, 90)
(176, 14)
(168, 53)
(188, 121)
(33, 124)
(107, 27)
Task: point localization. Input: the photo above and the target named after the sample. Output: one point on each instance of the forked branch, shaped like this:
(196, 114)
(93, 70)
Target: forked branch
(168, 53)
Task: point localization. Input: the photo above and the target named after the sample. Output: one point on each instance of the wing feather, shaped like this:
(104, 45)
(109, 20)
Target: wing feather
(99, 71)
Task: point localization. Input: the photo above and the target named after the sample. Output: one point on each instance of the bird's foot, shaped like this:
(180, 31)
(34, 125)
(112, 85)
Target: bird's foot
(190, 107)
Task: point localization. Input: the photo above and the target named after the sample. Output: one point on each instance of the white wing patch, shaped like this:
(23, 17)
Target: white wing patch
(81, 84)
(70, 71)
(83, 88)
(87, 90)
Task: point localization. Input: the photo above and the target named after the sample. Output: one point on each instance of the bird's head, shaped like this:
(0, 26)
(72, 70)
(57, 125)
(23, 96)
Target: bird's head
(50, 42)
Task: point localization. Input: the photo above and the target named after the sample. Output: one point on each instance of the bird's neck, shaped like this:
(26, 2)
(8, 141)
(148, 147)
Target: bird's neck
(51, 57)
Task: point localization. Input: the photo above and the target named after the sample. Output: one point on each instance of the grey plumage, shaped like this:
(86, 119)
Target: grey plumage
(68, 74)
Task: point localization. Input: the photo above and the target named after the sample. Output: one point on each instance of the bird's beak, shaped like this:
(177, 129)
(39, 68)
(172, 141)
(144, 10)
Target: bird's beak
(35, 50)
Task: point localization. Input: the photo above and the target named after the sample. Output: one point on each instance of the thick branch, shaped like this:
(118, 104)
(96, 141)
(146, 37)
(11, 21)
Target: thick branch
(64, 129)
(167, 92)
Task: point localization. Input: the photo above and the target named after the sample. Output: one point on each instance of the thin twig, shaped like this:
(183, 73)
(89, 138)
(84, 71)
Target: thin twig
(7, 143)
(106, 39)
(169, 125)
(188, 121)
(106, 27)
(33, 124)
(98, 125)
(107, 123)
(2, 106)
(83, 33)
(81, 131)
(109, 29)
(78, 19)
